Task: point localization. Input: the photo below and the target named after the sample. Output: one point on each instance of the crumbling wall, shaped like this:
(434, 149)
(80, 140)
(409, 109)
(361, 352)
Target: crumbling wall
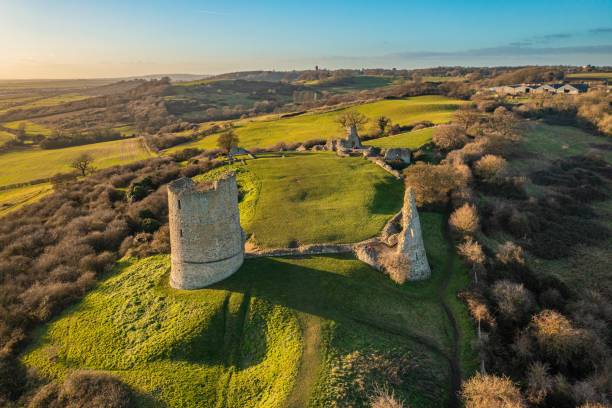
(207, 242)
(399, 254)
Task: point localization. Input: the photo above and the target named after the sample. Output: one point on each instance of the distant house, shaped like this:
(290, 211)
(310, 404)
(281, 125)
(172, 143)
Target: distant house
(573, 89)
(514, 89)
(547, 89)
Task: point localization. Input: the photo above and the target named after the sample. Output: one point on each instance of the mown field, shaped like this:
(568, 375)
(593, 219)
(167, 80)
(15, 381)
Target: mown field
(21, 166)
(15, 198)
(5, 137)
(300, 331)
(306, 198)
(412, 140)
(314, 125)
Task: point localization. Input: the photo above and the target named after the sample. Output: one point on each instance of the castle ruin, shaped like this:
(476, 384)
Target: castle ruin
(207, 242)
(400, 251)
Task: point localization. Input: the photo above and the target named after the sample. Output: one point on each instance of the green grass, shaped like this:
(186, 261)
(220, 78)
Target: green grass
(30, 127)
(314, 125)
(443, 78)
(412, 140)
(15, 198)
(315, 197)
(30, 164)
(239, 343)
(126, 130)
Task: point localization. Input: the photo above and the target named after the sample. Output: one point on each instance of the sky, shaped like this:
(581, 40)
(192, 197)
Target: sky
(118, 38)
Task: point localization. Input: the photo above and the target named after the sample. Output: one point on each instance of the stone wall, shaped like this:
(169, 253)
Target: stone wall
(207, 242)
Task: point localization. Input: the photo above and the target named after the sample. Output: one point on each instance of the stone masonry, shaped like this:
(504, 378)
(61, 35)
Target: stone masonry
(207, 242)
(400, 251)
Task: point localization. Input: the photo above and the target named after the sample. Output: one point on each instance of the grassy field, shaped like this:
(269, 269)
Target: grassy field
(15, 198)
(51, 101)
(313, 198)
(5, 137)
(590, 75)
(412, 140)
(298, 330)
(443, 78)
(25, 165)
(313, 125)
(30, 127)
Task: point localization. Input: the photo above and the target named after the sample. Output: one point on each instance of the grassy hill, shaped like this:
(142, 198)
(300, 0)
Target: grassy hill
(305, 331)
(412, 140)
(313, 198)
(25, 165)
(30, 127)
(267, 132)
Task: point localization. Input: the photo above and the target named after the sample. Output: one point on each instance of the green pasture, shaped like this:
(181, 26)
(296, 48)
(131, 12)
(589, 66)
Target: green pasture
(15, 198)
(21, 166)
(412, 140)
(30, 127)
(322, 125)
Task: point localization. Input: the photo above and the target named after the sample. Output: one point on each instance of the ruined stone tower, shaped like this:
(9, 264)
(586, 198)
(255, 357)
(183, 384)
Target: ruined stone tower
(410, 242)
(206, 239)
(399, 251)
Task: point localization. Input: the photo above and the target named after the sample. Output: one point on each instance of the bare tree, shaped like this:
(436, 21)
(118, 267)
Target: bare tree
(83, 163)
(352, 119)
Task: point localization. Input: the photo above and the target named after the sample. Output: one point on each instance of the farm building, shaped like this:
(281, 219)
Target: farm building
(523, 89)
(573, 89)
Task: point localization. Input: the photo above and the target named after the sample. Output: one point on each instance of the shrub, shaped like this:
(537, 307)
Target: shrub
(514, 302)
(490, 168)
(557, 338)
(464, 220)
(85, 389)
(432, 184)
(471, 251)
(487, 391)
(509, 252)
(449, 137)
(383, 398)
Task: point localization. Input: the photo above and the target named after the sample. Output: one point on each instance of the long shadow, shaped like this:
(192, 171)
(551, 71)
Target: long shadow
(388, 197)
(360, 298)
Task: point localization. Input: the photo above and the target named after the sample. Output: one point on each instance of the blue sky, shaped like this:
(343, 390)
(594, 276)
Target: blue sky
(86, 38)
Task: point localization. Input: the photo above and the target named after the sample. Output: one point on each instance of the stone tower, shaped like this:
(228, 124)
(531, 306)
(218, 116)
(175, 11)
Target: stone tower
(410, 242)
(399, 251)
(206, 239)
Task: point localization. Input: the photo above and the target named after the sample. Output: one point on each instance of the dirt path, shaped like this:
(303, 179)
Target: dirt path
(454, 360)
(310, 362)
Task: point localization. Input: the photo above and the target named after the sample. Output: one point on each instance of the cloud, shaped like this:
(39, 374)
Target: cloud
(520, 44)
(601, 30)
(552, 37)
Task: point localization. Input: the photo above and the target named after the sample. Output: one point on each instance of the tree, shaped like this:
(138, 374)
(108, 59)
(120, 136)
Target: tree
(487, 391)
(449, 137)
(466, 118)
(83, 163)
(382, 122)
(227, 141)
(352, 119)
(21, 132)
(432, 184)
(464, 220)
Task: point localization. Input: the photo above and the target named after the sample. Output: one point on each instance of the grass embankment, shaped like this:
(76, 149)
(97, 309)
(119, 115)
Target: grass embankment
(259, 132)
(306, 198)
(412, 140)
(5, 137)
(239, 342)
(15, 198)
(30, 164)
